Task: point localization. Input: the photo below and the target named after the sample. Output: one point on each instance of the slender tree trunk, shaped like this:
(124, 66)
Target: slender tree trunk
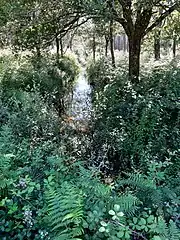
(174, 46)
(61, 46)
(157, 45)
(94, 48)
(38, 52)
(134, 58)
(106, 46)
(112, 44)
(71, 43)
(57, 49)
(124, 43)
(37, 63)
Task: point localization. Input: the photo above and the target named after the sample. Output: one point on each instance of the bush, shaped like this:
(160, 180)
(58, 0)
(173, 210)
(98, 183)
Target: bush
(28, 136)
(80, 206)
(54, 82)
(134, 126)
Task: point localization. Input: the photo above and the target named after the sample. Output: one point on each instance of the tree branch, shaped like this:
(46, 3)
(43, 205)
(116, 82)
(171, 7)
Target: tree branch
(116, 17)
(127, 14)
(161, 18)
(62, 32)
(142, 21)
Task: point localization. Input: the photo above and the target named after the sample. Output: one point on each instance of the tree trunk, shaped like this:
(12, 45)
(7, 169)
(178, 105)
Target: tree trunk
(124, 43)
(38, 57)
(61, 46)
(157, 45)
(134, 58)
(112, 44)
(106, 46)
(38, 52)
(94, 48)
(174, 46)
(71, 43)
(57, 49)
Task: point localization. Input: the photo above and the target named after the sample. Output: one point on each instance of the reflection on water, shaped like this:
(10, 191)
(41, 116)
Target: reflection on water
(81, 104)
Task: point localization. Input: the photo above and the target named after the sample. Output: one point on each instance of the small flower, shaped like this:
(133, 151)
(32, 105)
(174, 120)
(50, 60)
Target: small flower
(28, 220)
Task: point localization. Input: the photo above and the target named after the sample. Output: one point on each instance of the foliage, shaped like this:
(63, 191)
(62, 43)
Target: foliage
(134, 126)
(79, 206)
(28, 135)
(101, 73)
(53, 82)
(47, 195)
(116, 178)
(65, 208)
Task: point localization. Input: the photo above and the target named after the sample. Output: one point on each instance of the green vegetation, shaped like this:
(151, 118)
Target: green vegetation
(112, 173)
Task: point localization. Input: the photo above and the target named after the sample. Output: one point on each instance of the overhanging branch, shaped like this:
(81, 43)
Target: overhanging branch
(161, 18)
(63, 31)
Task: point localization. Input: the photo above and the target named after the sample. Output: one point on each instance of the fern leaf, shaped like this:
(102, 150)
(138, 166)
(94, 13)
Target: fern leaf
(65, 212)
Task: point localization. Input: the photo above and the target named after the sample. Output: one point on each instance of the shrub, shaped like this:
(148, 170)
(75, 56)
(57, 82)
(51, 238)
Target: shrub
(134, 126)
(54, 82)
(80, 206)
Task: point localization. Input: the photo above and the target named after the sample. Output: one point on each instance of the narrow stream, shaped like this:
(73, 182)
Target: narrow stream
(81, 104)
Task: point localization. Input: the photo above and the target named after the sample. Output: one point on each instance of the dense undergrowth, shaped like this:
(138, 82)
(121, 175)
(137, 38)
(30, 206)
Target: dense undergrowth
(53, 80)
(47, 193)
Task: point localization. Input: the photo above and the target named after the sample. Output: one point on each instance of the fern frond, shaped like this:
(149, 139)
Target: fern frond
(65, 211)
(144, 188)
(174, 231)
(138, 180)
(128, 203)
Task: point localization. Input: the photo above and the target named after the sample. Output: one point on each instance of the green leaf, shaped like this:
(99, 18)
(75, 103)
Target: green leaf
(135, 220)
(127, 235)
(120, 234)
(50, 178)
(142, 221)
(38, 186)
(152, 226)
(102, 229)
(114, 218)
(156, 238)
(104, 224)
(111, 212)
(138, 227)
(68, 216)
(116, 207)
(120, 214)
(150, 219)
(31, 189)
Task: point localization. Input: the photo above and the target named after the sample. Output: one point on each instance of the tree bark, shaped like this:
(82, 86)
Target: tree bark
(124, 43)
(71, 43)
(141, 25)
(134, 58)
(94, 48)
(38, 51)
(57, 49)
(61, 46)
(38, 55)
(106, 46)
(112, 44)
(157, 45)
(174, 46)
